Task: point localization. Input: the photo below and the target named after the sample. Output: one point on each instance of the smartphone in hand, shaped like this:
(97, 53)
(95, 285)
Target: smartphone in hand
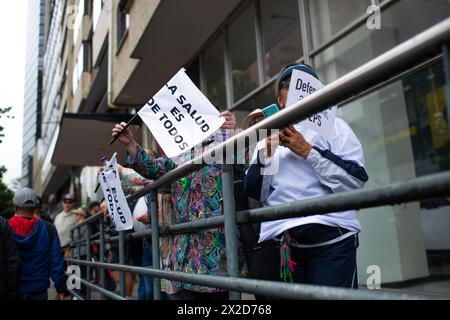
(270, 110)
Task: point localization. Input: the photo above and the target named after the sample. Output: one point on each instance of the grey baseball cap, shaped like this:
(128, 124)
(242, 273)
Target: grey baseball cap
(26, 198)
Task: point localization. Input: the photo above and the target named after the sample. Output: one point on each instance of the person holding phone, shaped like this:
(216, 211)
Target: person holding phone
(317, 249)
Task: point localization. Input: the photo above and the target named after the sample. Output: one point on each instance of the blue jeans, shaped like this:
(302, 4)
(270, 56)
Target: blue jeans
(145, 291)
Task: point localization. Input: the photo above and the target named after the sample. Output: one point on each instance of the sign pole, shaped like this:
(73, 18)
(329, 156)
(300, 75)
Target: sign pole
(126, 126)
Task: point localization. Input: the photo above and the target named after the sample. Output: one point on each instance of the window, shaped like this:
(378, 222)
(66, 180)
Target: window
(282, 40)
(214, 73)
(193, 72)
(63, 80)
(242, 47)
(363, 44)
(77, 70)
(78, 21)
(331, 16)
(404, 132)
(97, 6)
(87, 56)
(123, 21)
(260, 100)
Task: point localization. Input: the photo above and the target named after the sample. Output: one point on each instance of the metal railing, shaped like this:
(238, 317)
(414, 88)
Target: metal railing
(420, 48)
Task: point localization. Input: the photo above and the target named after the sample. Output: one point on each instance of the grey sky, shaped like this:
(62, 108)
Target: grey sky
(13, 23)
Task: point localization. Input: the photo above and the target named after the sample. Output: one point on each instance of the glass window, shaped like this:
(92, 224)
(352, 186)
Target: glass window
(123, 20)
(242, 41)
(97, 6)
(425, 98)
(363, 44)
(77, 70)
(328, 17)
(78, 20)
(404, 131)
(193, 71)
(214, 73)
(260, 100)
(281, 34)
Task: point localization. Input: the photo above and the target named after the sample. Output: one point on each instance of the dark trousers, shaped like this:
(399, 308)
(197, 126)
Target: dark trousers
(328, 265)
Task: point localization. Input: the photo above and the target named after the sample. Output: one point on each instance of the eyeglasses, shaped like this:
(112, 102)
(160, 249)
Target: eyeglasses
(68, 201)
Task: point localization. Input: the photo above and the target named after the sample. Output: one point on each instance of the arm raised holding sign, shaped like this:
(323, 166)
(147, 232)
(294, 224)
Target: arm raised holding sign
(230, 120)
(143, 163)
(146, 165)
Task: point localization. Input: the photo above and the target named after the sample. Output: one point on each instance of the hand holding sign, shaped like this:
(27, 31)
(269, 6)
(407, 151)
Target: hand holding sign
(180, 116)
(301, 86)
(124, 134)
(115, 199)
(230, 120)
(126, 137)
(294, 140)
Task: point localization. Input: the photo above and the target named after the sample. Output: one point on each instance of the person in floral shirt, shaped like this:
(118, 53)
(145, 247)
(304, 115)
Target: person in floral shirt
(196, 196)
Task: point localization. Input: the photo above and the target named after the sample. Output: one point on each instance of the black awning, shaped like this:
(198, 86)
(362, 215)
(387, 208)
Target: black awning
(84, 138)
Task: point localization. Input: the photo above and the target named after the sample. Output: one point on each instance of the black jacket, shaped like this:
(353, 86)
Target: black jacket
(9, 263)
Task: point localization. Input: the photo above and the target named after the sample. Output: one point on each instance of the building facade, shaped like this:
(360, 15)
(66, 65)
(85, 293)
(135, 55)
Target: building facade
(33, 86)
(113, 55)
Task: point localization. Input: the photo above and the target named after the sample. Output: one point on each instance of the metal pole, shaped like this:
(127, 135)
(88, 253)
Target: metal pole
(155, 243)
(304, 27)
(446, 58)
(419, 48)
(229, 213)
(79, 243)
(102, 252)
(276, 289)
(426, 187)
(103, 291)
(229, 91)
(126, 126)
(88, 258)
(122, 261)
(260, 48)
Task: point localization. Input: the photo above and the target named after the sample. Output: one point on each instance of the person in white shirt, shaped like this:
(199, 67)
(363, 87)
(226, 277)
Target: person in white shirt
(317, 249)
(66, 220)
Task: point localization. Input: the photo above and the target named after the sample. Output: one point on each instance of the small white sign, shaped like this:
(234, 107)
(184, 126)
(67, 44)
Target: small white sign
(180, 116)
(115, 198)
(301, 86)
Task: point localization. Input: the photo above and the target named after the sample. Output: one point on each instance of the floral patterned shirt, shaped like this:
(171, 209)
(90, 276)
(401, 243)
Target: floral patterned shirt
(196, 196)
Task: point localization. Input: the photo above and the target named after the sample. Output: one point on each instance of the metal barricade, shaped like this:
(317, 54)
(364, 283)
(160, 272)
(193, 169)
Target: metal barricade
(429, 44)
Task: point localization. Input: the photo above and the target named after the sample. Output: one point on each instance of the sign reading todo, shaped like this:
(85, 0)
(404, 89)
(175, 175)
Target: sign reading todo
(180, 116)
(301, 86)
(112, 190)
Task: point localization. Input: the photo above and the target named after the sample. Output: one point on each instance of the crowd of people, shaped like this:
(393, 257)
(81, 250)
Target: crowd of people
(317, 249)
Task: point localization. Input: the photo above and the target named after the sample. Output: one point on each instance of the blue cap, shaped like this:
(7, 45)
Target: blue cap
(286, 73)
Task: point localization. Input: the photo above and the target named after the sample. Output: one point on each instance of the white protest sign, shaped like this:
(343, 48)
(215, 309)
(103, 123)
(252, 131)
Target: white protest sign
(180, 116)
(112, 190)
(301, 86)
